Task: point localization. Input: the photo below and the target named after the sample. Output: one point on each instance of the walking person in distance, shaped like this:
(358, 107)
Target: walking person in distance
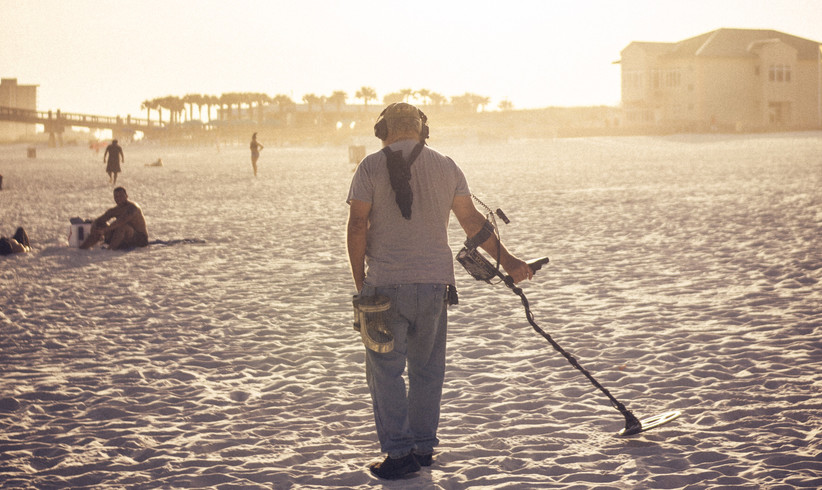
(112, 158)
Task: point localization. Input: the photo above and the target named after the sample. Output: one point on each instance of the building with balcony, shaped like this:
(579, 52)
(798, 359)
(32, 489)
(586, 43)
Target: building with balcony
(727, 79)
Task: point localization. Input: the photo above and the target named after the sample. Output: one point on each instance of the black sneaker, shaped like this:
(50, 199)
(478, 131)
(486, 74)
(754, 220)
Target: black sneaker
(424, 459)
(392, 469)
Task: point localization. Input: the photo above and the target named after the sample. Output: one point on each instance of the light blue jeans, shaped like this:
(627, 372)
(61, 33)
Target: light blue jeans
(418, 320)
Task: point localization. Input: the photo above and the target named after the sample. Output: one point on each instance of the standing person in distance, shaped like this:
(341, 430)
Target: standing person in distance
(400, 201)
(255, 152)
(112, 158)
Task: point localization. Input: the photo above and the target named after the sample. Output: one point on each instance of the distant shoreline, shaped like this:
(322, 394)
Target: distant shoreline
(352, 129)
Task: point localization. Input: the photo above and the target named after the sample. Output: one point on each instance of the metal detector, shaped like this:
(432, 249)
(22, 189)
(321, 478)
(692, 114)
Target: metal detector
(482, 270)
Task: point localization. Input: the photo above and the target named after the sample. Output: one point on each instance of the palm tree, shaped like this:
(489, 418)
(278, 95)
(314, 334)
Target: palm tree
(437, 99)
(245, 98)
(482, 101)
(311, 100)
(180, 107)
(366, 94)
(425, 95)
(211, 100)
(251, 98)
(338, 98)
(406, 93)
(226, 100)
(505, 105)
(191, 100)
(156, 103)
(168, 103)
(148, 105)
(469, 102)
(464, 103)
(238, 97)
(163, 103)
(175, 107)
(284, 102)
(241, 98)
(203, 102)
(285, 106)
(261, 100)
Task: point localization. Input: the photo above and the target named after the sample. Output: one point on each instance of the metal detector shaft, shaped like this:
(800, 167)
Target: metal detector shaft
(632, 424)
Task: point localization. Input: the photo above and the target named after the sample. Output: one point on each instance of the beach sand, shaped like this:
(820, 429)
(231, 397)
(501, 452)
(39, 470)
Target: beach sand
(684, 275)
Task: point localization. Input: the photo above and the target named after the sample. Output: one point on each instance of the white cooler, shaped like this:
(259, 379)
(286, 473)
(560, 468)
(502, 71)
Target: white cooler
(78, 234)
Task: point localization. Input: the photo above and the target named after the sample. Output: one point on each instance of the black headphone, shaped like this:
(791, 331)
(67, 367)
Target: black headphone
(381, 127)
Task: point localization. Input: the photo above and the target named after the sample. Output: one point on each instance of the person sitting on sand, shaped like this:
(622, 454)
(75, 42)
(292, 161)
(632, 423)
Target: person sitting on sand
(19, 243)
(128, 229)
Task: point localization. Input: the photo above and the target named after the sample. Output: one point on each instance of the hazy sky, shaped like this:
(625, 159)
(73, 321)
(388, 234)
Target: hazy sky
(106, 57)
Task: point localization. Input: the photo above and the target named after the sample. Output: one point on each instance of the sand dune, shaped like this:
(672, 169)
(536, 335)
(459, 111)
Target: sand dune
(684, 275)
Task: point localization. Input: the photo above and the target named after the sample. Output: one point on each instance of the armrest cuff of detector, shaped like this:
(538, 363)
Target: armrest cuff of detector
(484, 234)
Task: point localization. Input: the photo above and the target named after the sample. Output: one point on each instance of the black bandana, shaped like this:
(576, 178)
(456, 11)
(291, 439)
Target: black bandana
(399, 172)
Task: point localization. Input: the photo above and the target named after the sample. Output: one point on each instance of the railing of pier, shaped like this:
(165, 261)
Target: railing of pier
(72, 119)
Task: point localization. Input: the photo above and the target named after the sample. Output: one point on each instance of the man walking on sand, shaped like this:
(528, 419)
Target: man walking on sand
(400, 202)
(112, 158)
(128, 229)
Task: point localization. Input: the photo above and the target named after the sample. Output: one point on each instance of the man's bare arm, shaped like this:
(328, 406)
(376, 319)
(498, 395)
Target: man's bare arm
(103, 219)
(356, 238)
(472, 221)
(125, 217)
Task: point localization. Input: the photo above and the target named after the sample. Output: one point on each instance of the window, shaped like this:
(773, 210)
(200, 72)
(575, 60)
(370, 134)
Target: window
(656, 79)
(673, 78)
(779, 73)
(633, 79)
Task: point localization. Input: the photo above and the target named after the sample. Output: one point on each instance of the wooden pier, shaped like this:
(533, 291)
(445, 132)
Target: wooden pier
(55, 123)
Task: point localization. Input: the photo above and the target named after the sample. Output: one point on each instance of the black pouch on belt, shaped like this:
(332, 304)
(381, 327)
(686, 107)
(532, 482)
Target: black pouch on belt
(453, 298)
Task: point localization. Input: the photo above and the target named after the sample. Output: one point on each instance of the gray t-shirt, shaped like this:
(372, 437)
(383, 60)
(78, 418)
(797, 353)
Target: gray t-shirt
(415, 251)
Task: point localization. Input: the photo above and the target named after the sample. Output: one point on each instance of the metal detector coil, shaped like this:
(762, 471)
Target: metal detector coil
(369, 320)
(649, 423)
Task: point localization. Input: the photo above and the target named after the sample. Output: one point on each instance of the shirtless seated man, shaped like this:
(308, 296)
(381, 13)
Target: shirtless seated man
(128, 229)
